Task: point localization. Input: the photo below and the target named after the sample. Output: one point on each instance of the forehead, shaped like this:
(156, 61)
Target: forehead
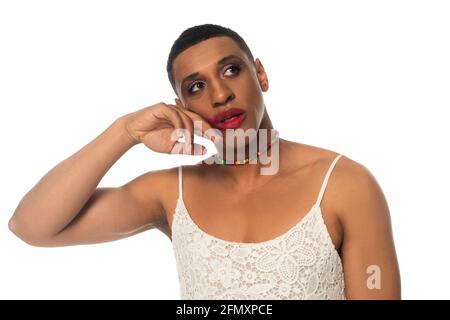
(204, 54)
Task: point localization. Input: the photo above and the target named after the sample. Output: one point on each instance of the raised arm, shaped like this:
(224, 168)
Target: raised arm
(66, 208)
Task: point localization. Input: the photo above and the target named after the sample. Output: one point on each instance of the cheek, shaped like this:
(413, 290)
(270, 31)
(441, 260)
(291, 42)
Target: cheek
(194, 102)
(251, 92)
(245, 86)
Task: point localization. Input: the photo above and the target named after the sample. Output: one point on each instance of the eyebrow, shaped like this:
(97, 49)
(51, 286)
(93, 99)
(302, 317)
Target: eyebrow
(221, 62)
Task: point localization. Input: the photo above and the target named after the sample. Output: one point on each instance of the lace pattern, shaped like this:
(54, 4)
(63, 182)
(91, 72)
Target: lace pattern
(302, 263)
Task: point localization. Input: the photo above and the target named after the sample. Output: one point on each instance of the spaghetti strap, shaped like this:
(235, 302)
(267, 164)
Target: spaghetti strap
(180, 182)
(325, 181)
(315, 264)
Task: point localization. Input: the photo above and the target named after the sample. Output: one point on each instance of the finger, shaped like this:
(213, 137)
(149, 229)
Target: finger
(180, 148)
(188, 125)
(180, 125)
(198, 150)
(205, 128)
(173, 116)
(194, 117)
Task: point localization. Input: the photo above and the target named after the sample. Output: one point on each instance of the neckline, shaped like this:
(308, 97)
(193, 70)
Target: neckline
(245, 244)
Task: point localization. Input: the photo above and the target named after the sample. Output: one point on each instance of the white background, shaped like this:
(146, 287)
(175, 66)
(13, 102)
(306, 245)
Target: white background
(368, 79)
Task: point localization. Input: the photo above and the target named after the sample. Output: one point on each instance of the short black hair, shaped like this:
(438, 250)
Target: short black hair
(196, 34)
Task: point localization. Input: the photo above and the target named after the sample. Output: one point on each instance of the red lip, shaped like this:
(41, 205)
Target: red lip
(217, 120)
(227, 114)
(230, 124)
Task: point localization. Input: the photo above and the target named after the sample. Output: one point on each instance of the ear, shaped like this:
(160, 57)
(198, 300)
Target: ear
(262, 76)
(178, 103)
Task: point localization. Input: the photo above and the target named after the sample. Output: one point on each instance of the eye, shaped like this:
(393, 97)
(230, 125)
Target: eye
(236, 69)
(193, 86)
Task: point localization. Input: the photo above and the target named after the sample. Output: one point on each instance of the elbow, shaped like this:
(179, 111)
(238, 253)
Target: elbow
(14, 227)
(17, 230)
(20, 232)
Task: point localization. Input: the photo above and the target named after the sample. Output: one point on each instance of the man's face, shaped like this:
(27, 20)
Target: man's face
(208, 85)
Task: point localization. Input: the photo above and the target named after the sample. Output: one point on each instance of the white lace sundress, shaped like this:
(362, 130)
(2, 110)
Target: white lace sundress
(302, 263)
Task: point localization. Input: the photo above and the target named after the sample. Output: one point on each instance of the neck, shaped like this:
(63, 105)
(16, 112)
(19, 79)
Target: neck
(247, 175)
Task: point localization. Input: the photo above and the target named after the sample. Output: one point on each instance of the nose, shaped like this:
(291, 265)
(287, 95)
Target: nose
(221, 94)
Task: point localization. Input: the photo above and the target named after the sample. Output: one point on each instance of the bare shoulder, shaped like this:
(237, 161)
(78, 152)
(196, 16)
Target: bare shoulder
(165, 182)
(152, 189)
(305, 156)
(356, 193)
(161, 185)
(346, 170)
(351, 183)
(356, 180)
(356, 199)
